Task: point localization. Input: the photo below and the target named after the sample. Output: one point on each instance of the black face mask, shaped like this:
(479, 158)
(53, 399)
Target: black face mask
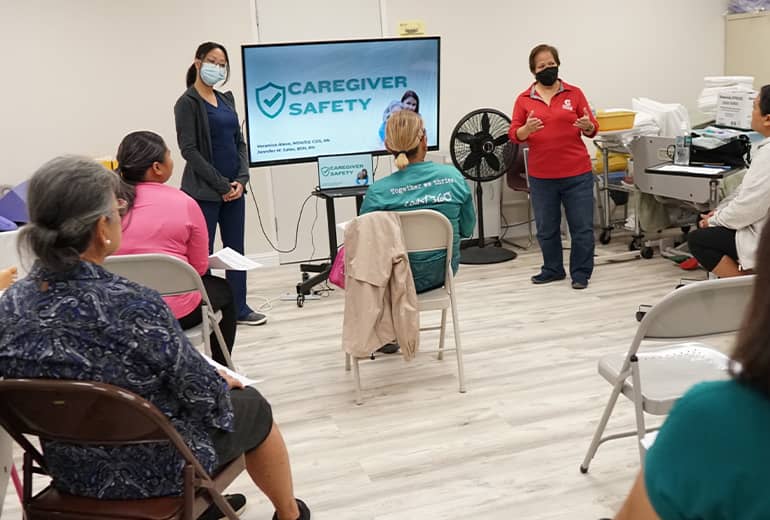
(548, 76)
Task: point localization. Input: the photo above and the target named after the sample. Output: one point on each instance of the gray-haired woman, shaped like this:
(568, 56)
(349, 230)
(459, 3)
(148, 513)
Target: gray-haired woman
(72, 319)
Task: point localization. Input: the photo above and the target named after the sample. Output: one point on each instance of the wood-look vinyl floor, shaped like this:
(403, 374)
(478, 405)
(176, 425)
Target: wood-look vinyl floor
(508, 448)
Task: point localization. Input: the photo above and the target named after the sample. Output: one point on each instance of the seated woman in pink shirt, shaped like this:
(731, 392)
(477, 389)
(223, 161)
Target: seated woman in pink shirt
(162, 219)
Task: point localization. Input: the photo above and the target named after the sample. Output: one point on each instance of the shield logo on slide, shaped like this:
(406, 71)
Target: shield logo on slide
(271, 99)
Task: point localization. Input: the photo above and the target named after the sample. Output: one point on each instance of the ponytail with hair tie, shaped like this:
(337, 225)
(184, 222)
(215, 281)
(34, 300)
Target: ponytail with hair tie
(403, 135)
(191, 76)
(137, 152)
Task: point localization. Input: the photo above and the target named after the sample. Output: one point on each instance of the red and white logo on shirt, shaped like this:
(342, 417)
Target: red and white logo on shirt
(568, 105)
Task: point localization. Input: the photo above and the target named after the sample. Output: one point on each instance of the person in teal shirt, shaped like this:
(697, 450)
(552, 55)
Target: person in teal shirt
(711, 458)
(421, 184)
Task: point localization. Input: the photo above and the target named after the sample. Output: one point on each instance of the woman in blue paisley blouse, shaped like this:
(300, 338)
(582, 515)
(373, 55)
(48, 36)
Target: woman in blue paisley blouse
(72, 319)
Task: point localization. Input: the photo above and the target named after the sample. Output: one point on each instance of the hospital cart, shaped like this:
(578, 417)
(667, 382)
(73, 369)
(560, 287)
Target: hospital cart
(614, 142)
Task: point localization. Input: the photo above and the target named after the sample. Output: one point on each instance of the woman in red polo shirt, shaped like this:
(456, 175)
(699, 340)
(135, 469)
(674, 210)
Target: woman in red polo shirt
(552, 116)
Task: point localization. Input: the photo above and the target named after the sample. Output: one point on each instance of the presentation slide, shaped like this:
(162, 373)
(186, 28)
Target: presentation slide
(312, 99)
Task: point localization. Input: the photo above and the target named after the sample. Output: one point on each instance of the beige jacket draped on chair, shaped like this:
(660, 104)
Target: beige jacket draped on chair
(380, 298)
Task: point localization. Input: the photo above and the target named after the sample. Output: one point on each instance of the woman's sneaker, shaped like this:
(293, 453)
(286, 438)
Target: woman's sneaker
(541, 278)
(252, 318)
(304, 511)
(237, 502)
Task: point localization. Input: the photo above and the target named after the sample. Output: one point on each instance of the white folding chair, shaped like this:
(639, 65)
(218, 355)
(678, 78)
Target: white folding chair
(428, 230)
(653, 380)
(171, 276)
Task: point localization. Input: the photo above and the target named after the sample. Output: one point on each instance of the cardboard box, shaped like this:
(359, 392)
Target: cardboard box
(734, 108)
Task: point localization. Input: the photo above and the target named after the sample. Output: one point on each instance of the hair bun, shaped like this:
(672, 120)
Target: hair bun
(45, 233)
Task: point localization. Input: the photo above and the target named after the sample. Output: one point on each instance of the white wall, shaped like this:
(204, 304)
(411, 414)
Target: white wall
(89, 71)
(612, 50)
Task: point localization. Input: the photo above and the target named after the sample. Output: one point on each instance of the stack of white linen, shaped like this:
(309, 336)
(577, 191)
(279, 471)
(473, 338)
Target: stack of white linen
(644, 124)
(713, 85)
(670, 118)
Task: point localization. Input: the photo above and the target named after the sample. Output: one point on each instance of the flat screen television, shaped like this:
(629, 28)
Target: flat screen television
(304, 100)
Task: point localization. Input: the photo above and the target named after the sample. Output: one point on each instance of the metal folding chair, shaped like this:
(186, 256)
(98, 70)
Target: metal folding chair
(170, 276)
(654, 379)
(428, 230)
(86, 413)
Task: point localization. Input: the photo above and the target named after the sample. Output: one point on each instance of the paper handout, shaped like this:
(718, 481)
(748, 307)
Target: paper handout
(245, 381)
(230, 259)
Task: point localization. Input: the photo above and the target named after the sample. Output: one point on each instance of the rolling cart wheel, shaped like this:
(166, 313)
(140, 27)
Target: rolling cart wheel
(605, 237)
(647, 252)
(635, 244)
(300, 300)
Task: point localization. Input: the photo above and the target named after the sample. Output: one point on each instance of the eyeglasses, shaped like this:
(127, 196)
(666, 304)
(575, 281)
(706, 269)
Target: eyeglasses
(220, 65)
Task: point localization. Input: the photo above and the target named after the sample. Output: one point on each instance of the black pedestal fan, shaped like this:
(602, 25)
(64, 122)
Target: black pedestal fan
(476, 146)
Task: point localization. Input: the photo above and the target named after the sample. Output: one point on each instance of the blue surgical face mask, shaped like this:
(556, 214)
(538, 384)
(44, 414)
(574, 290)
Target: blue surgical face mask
(212, 74)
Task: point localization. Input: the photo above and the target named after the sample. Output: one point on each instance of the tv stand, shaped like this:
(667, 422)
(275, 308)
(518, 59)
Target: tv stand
(305, 287)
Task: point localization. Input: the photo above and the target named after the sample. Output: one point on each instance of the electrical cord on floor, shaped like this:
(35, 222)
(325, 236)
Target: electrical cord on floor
(505, 226)
(259, 215)
(267, 303)
(312, 228)
(262, 227)
(325, 290)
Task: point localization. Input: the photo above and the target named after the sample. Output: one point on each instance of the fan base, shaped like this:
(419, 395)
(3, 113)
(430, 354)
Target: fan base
(485, 255)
